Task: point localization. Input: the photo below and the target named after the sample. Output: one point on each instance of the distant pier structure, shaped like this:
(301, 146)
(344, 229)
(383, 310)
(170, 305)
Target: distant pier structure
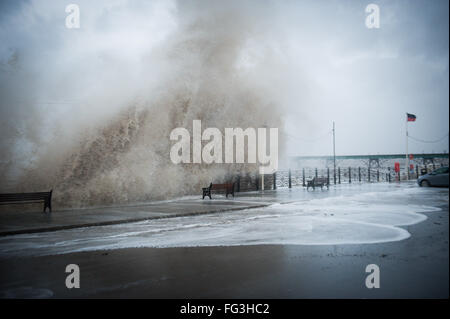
(373, 161)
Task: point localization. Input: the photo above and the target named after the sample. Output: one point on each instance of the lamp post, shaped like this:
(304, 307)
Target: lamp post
(334, 154)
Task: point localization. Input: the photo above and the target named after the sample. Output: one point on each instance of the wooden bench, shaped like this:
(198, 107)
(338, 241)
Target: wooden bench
(28, 198)
(316, 182)
(228, 187)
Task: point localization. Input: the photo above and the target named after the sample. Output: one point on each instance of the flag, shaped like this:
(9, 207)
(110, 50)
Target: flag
(410, 117)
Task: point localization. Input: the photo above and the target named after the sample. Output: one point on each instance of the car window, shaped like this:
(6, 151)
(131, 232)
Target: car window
(442, 170)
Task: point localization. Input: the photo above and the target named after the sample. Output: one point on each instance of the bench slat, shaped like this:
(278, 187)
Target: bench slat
(221, 186)
(16, 198)
(25, 194)
(21, 201)
(24, 197)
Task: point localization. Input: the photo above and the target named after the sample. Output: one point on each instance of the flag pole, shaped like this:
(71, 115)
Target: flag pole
(407, 157)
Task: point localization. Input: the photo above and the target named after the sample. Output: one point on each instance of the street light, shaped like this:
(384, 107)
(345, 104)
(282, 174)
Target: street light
(334, 155)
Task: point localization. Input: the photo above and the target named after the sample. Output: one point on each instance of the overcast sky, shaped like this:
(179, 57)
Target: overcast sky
(363, 79)
(367, 79)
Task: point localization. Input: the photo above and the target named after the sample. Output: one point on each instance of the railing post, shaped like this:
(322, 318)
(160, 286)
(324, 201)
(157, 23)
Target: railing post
(275, 180)
(339, 174)
(368, 175)
(290, 179)
(328, 176)
(389, 172)
(334, 174)
(378, 174)
(303, 177)
(359, 174)
(349, 175)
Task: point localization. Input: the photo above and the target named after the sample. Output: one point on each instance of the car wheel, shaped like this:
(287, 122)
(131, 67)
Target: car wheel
(425, 183)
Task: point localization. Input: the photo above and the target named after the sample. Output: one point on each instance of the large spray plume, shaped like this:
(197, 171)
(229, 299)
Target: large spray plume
(88, 112)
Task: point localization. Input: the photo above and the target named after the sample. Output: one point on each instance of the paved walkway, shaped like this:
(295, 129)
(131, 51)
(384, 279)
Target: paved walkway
(20, 222)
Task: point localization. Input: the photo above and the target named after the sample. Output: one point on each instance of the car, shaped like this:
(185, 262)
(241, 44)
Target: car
(438, 177)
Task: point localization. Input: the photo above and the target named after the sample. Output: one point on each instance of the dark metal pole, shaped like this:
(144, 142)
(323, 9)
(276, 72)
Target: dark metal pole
(359, 174)
(275, 180)
(339, 174)
(389, 172)
(328, 176)
(350, 175)
(290, 179)
(368, 174)
(315, 172)
(378, 175)
(334, 154)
